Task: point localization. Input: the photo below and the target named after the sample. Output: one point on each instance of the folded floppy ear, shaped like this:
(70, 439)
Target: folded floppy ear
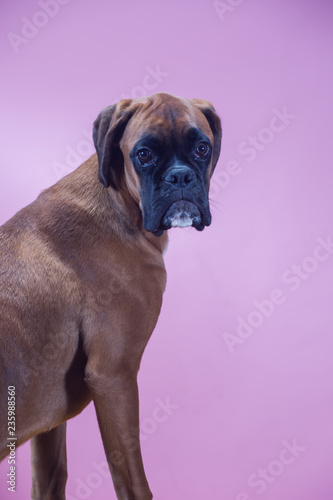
(107, 132)
(214, 121)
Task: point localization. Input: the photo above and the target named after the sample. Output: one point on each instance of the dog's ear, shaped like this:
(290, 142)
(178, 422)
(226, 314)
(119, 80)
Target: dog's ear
(107, 132)
(214, 121)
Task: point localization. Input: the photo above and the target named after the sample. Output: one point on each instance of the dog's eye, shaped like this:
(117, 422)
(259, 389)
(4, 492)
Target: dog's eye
(202, 150)
(144, 156)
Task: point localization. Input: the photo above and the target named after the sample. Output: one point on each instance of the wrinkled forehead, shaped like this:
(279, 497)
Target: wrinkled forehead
(167, 121)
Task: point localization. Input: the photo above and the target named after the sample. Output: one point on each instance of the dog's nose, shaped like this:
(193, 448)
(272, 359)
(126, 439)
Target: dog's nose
(180, 177)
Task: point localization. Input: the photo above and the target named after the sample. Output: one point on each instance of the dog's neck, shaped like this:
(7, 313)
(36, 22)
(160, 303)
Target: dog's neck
(160, 242)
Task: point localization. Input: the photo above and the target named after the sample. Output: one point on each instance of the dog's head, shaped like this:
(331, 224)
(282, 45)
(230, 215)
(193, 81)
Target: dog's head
(162, 149)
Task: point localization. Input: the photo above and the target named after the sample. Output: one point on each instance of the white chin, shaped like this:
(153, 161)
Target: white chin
(182, 221)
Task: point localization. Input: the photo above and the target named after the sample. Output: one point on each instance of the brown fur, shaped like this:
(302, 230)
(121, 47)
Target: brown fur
(81, 285)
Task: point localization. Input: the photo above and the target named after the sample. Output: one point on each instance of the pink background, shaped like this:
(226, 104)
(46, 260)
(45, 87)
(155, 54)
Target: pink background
(232, 411)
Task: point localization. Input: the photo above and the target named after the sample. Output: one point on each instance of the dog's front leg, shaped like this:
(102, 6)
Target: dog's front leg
(115, 395)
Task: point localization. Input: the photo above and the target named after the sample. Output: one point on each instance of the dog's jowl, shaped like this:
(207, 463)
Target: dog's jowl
(82, 278)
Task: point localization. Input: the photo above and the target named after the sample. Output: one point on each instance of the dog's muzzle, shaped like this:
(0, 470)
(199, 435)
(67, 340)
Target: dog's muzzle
(182, 214)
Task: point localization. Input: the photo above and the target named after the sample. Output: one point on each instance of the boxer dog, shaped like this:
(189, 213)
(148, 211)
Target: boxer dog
(82, 278)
